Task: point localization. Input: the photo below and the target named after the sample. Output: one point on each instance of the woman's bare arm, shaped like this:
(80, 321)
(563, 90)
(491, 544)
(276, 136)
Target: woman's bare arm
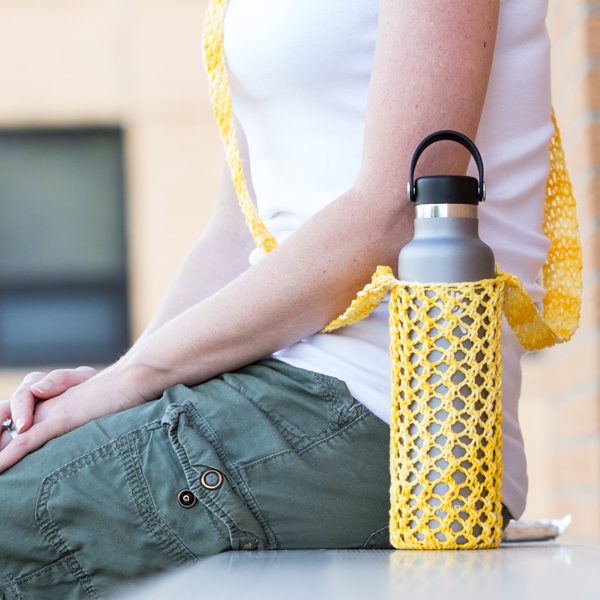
(216, 258)
(431, 68)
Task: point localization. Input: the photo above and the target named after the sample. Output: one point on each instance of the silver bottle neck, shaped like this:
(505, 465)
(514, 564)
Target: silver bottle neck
(437, 211)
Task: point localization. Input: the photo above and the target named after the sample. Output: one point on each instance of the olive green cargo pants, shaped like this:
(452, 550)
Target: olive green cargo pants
(269, 456)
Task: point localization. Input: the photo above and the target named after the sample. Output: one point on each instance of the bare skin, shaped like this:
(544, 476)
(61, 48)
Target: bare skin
(431, 69)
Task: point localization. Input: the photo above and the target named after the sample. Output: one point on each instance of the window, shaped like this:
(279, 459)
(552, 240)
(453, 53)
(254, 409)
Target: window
(63, 283)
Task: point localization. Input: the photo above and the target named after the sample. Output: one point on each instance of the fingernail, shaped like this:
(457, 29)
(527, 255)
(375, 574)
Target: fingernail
(20, 423)
(43, 385)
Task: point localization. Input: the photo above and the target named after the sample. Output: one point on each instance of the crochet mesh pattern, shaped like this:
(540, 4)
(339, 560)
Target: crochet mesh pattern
(445, 429)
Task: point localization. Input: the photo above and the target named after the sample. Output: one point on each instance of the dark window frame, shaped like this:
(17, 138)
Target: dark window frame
(117, 287)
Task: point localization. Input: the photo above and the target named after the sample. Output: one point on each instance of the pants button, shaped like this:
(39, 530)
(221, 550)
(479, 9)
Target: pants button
(186, 499)
(212, 479)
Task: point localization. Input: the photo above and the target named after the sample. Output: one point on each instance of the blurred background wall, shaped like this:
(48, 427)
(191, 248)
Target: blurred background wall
(560, 406)
(109, 160)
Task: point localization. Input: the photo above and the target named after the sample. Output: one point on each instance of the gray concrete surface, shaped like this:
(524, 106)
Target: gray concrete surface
(540, 571)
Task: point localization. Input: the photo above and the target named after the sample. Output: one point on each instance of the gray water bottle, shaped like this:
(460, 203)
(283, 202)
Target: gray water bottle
(446, 248)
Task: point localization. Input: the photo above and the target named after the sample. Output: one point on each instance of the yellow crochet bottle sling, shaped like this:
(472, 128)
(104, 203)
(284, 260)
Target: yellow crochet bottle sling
(445, 428)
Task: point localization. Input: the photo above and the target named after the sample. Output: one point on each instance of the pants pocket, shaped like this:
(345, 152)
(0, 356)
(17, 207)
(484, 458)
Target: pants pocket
(213, 478)
(113, 513)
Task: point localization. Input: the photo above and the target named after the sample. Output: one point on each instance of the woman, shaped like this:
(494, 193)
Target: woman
(232, 423)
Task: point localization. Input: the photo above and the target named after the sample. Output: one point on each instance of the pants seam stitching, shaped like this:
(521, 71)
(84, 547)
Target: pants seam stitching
(41, 571)
(12, 585)
(344, 428)
(334, 401)
(315, 444)
(258, 461)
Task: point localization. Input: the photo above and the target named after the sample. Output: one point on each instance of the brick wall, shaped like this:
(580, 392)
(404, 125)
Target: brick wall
(561, 391)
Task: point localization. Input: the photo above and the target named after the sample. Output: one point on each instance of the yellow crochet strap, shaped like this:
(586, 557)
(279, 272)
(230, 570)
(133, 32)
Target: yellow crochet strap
(562, 271)
(445, 426)
(530, 327)
(218, 86)
(366, 300)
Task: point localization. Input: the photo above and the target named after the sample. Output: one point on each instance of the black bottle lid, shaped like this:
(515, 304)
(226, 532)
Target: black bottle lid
(446, 189)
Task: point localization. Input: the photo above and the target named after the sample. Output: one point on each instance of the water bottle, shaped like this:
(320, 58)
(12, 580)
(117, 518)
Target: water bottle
(446, 248)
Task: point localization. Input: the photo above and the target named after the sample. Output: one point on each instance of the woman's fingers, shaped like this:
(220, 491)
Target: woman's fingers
(4, 414)
(5, 439)
(4, 410)
(60, 380)
(31, 440)
(109, 392)
(22, 402)
(53, 418)
(42, 386)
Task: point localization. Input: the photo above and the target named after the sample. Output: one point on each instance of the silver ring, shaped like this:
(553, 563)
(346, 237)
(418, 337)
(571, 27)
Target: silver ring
(10, 427)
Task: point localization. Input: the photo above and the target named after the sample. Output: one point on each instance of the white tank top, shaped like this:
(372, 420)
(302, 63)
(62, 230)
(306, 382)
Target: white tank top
(300, 76)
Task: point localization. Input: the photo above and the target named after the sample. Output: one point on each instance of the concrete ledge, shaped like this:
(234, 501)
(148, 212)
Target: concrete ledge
(544, 570)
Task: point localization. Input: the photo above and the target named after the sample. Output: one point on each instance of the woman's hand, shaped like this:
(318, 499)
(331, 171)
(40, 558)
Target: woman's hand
(111, 390)
(39, 386)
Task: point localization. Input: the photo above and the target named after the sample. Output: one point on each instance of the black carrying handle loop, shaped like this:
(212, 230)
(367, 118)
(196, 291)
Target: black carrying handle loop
(453, 136)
